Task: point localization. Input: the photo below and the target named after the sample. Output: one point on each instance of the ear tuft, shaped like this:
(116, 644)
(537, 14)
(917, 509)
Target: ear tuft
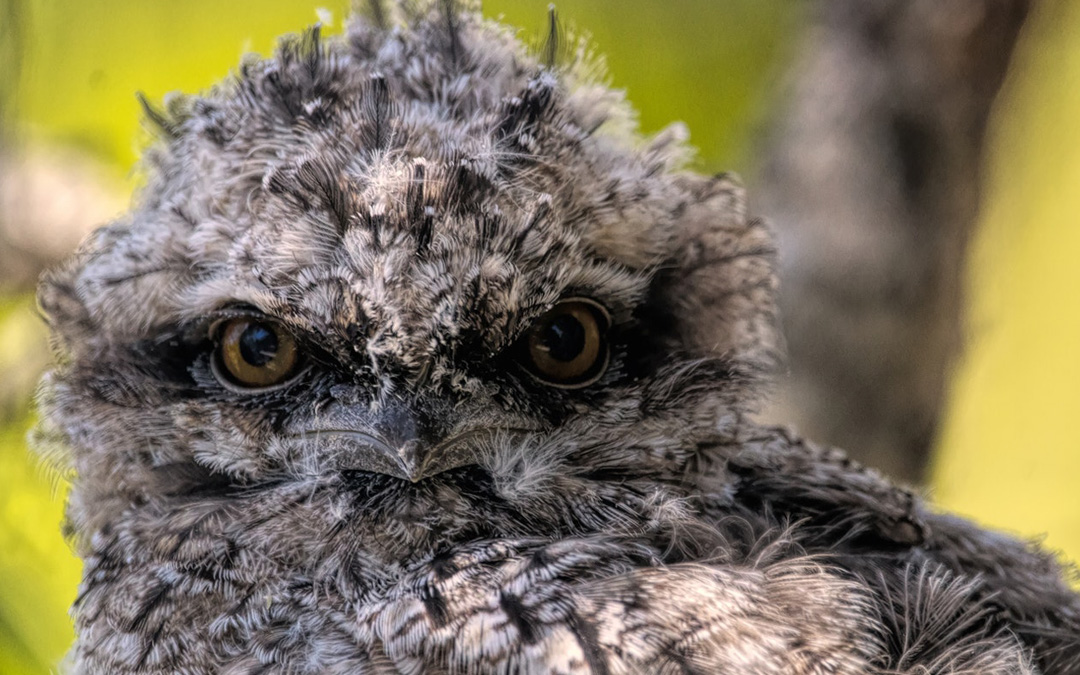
(722, 284)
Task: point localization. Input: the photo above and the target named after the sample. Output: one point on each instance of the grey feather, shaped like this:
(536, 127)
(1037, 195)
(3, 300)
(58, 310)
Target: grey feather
(406, 202)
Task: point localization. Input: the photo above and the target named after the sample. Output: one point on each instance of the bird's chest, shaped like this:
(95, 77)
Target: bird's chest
(208, 604)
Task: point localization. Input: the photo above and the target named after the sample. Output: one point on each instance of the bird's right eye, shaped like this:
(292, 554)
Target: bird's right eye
(254, 353)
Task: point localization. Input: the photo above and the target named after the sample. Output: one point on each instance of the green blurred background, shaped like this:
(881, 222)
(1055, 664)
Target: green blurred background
(1008, 454)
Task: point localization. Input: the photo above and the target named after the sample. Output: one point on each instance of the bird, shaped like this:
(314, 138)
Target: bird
(414, 355)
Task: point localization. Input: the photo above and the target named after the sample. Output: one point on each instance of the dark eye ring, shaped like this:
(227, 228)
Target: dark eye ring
(567, 346)
(253, 354)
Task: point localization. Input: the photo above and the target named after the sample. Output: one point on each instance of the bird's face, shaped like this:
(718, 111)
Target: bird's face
(413, 343)
(348, 284)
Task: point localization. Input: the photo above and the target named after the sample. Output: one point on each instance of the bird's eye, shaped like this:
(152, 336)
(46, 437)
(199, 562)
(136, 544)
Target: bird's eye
(254, 354)
(567, 346)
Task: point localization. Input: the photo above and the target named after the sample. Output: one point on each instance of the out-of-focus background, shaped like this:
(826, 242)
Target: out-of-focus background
(920, 161)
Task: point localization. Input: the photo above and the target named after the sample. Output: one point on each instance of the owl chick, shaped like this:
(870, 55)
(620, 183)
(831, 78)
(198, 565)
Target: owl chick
(414, 357)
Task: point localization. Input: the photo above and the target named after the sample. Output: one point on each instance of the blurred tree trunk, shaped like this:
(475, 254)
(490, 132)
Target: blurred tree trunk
(871, 177)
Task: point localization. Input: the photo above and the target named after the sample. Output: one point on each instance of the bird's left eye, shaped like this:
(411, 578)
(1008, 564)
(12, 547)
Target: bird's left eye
(567, 346)
(254, 353)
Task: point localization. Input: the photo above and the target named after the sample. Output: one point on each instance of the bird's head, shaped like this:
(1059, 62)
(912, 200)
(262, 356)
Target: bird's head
(412, 257)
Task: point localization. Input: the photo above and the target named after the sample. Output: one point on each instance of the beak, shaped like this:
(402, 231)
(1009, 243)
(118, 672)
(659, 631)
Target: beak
(397, 441)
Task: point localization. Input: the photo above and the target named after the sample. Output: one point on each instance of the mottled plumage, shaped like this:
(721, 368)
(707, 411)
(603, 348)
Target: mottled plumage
(406, 204)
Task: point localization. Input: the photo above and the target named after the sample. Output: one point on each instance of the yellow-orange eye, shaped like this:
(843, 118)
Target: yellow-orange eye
(567, 346)
(255, 354)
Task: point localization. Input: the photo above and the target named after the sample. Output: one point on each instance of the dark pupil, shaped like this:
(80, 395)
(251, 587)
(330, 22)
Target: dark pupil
(258, 345)
(564, 338)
